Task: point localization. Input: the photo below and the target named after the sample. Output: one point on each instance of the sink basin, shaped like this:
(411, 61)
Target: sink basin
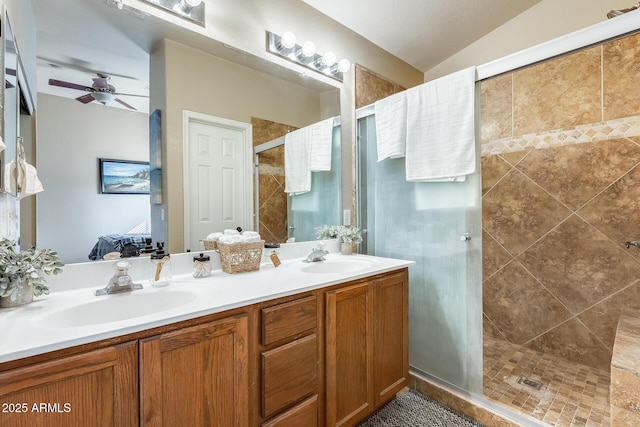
(338, 266)
(117, 307)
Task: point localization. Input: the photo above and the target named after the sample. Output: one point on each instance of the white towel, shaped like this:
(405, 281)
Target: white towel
(297, 174)
(320, 145)
(440, 128)
(230, 239)
(214, 237)
(22, 178)
(391, 126)
(230, 232)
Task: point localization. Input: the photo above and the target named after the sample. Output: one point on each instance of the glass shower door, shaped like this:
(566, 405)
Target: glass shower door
(320, 206)
(438, 225)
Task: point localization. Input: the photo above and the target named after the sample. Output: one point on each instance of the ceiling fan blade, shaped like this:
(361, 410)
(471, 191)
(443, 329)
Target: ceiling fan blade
(125, 104)
(131, 94)
(100, 83)
(54, 82)
(85, 99)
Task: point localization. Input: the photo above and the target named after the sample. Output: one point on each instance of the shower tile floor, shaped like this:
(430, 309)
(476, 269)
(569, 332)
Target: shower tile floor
(571, 394)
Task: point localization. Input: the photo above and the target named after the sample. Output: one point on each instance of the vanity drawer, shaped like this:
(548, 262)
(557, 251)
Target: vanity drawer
(289, 319)
(289, 374)
(304, 414)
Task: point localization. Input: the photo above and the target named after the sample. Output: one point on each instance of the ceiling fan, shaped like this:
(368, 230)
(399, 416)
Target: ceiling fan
(100, 91)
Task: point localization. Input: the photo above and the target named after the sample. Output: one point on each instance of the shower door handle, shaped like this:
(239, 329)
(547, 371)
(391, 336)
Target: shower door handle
(465, 237)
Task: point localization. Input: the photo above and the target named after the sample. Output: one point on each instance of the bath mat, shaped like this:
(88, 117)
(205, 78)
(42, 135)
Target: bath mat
(413, 409)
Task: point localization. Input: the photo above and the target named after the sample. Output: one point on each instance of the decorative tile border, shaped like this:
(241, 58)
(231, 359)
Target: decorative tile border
(601, 131)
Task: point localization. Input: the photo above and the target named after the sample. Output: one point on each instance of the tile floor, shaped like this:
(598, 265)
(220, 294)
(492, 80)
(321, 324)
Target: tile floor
(571, 394)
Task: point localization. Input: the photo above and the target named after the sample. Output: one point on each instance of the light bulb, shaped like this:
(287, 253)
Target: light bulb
(288, 39)
(344, 65)
(308, 49)
(329, 58)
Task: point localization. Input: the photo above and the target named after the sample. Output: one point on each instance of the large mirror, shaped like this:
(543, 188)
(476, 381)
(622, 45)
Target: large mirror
(72, 213)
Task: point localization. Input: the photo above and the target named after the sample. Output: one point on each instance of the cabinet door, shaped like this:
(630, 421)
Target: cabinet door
(391, 336)
(349, 358)
(97, 388)
(196, 376)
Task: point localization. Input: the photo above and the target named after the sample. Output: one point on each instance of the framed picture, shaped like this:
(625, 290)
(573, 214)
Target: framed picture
(123, 177)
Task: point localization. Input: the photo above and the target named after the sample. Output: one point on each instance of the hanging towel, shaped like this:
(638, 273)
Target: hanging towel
(391, 126)
(22, 178)
(440, 128)
(297, 174)
(321, 135)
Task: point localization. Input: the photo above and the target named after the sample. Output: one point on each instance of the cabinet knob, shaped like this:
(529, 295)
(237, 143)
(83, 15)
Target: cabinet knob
(465, 237)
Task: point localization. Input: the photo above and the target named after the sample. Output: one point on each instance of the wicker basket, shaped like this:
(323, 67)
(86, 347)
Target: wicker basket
(210, 245)
(240, 257)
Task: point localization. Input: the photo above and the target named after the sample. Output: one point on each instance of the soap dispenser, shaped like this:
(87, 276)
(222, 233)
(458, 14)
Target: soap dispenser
(160, 267)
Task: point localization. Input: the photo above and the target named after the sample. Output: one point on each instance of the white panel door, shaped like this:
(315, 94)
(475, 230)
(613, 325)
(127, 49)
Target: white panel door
(217, 187)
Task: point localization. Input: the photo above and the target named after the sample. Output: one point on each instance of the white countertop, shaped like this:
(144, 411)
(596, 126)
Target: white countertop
(25, 332)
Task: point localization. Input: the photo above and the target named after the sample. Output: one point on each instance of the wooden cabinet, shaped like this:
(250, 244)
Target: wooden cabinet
(197, 376)
(96, 388)
(366, 347)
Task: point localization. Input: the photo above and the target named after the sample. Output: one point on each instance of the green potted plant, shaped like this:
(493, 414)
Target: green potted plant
(22, 272)
(349, 235)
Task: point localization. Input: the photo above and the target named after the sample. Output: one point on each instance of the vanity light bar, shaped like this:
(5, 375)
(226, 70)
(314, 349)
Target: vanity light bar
(285, 47)
(192, 10)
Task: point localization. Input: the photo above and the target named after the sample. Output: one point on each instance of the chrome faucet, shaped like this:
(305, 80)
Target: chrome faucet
(635, 243)
(316, 255)
(121, 281)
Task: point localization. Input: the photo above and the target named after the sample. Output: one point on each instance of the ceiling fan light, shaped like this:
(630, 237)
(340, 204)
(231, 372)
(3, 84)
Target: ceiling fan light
(103, 97)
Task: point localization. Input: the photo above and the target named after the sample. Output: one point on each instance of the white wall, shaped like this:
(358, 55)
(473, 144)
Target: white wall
(545, 21)
(71, 212)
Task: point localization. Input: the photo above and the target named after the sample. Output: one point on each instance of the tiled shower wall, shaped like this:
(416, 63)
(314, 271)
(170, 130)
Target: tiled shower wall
(370, 87)
(561, 195)
(272, 209)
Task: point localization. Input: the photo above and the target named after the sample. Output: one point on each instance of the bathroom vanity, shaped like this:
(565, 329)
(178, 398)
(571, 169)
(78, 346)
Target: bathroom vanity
(302, 344)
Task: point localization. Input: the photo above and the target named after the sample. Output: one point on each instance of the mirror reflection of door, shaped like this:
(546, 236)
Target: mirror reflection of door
(218, 178)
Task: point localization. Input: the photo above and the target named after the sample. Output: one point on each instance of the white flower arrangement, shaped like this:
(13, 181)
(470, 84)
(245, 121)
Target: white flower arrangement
(350, 234)
(327, 232)
(347, 233)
